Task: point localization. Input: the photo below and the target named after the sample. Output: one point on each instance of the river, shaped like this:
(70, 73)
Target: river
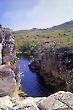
(31, 82)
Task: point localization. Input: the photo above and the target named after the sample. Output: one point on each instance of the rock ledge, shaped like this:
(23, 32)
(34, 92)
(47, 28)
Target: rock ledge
(58, 101)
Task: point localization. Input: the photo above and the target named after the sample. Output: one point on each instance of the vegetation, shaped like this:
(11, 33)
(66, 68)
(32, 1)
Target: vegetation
(8, 30)
(28, 40)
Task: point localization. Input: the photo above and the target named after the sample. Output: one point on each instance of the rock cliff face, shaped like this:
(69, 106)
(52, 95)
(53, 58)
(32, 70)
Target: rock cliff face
(9, 66)
(55, 65)
(58, 101)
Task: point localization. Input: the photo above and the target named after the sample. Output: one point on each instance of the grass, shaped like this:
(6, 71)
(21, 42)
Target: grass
(27, 41)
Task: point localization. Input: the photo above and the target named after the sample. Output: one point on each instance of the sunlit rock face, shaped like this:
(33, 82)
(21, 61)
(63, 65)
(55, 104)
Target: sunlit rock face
(9, 65)
(55, 65)
(58, 101)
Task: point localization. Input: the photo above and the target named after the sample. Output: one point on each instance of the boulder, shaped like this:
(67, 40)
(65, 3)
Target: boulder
(58, 101)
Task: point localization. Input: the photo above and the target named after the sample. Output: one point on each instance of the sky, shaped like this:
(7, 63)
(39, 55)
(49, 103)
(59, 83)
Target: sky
(27, 14)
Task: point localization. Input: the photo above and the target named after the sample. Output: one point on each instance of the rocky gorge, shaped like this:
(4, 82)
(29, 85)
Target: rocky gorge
(54, 65)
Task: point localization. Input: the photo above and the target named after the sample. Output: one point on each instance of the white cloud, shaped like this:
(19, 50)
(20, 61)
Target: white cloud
(51, 12)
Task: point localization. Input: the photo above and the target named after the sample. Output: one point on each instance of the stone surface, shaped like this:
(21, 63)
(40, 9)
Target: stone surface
(58, 101)
(7, 80)
(55, 65)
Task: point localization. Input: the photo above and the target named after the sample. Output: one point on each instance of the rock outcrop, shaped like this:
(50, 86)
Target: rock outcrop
(58, 101)
(55, 65)
(9, 65)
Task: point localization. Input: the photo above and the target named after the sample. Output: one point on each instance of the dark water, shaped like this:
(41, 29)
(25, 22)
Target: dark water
(31, 83)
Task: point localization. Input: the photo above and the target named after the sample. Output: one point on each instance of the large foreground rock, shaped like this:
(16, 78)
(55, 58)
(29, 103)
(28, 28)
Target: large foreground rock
(58, 101)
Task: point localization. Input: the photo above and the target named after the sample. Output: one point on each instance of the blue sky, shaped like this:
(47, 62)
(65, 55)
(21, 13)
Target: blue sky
(26, 14)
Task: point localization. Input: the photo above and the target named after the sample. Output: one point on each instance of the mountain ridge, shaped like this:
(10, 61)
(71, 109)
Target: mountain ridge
(68, 24)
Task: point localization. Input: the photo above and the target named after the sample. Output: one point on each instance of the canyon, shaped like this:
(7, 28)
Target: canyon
(53, 64)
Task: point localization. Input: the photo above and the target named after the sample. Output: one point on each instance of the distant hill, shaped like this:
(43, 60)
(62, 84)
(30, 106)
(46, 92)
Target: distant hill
(68, 24)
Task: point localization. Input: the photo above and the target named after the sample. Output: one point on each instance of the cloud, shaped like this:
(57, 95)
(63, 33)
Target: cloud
(41, 13)
(51, 12)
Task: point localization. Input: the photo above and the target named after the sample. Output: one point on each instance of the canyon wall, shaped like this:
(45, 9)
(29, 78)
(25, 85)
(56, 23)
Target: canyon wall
(9, 65)
(55, 65)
